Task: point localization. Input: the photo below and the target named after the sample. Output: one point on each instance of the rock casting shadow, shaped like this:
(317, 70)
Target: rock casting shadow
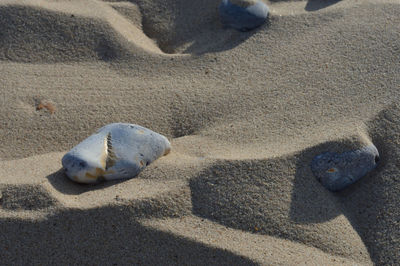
(238, 194)
(371, 204)
(309, 204)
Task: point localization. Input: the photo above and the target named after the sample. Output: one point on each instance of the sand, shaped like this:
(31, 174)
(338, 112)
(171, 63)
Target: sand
(245, 114)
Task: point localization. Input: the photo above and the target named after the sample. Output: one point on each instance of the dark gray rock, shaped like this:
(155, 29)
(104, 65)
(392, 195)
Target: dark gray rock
(336, 171)
(243, 15)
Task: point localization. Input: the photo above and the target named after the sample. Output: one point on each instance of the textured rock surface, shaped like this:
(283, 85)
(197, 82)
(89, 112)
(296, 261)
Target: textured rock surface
(115, 151)
(336, 171)
(243, 15)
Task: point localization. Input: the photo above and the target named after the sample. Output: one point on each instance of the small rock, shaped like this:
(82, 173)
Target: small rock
(116, 151)
(243, 15)
(46, 105)
(336, 171)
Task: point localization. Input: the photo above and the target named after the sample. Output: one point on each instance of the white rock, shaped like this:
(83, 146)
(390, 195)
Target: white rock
(116, 151)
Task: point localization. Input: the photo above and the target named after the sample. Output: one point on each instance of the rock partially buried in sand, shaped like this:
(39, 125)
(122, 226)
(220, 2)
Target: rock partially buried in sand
(336, 171)
(116, 151)
(243, 15)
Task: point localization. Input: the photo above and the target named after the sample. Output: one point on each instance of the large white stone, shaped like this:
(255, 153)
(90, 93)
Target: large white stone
(116, 151)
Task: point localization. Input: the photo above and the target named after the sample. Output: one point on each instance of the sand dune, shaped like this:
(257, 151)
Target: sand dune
(245, 112)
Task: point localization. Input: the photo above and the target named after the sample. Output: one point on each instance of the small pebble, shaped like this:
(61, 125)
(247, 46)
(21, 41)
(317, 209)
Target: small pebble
(243, 15)
(116, 151)
(336, 171)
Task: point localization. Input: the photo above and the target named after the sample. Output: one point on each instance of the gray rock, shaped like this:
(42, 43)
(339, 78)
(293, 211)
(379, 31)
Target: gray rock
(116, 151)
(336, 171)
(243, 15)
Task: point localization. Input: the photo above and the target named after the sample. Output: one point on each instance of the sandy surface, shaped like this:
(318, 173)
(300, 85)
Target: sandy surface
(245, 113)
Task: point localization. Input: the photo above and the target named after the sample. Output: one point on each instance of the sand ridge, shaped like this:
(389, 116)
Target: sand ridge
(245, 113)
(91, 9)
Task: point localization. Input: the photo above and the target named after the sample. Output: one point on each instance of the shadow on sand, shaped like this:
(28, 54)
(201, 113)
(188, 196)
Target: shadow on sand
(63, 184)
(203, 34)
(252, 196)
(371, 205)
(314, 5)
(101, 236)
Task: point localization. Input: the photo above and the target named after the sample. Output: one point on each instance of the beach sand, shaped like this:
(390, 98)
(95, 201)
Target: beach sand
(245, 113)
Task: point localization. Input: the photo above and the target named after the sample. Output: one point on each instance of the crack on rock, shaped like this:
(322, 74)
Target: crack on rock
(110, 161)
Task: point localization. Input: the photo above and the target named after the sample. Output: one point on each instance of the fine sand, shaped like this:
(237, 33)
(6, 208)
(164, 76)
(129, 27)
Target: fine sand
(245, 114)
